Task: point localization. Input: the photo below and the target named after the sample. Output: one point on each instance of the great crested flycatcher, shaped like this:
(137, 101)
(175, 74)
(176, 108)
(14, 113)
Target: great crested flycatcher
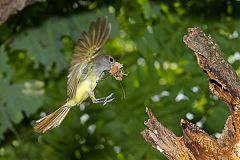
(87, 67)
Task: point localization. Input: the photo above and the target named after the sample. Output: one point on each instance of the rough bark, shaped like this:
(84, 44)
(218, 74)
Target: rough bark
(196, 143)
(224, 81)
(9, 7)
(164, 140)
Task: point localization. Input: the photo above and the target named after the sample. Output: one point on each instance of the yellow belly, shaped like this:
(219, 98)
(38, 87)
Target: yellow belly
(83, 89)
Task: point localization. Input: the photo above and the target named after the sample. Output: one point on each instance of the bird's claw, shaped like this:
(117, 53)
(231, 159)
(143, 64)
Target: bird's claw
(107, 101)
(104, 100)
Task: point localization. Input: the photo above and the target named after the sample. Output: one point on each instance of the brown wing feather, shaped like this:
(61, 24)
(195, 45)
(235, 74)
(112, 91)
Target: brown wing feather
(86, 49)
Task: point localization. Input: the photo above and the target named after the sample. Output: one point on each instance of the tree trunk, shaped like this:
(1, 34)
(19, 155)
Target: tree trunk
(196, 144)
(9, 7)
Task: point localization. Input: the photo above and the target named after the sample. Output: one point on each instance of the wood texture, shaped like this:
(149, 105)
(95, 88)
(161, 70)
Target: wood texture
(9, 7)
(196, 143)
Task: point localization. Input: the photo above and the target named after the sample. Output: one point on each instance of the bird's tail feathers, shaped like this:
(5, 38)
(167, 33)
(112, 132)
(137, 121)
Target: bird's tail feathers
(52, 120)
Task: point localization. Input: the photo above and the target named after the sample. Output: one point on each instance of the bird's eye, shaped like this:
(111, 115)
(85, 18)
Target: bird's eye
(111, 59)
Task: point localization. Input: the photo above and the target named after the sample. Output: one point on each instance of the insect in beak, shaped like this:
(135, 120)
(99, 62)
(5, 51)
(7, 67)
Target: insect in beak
(117, 71)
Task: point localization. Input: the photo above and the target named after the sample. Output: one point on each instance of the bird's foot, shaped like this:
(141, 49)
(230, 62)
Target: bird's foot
(104, 100)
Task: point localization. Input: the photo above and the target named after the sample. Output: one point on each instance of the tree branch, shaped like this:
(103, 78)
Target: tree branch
(224, 81)
(9, 7)
(196, 143)
(164, 140)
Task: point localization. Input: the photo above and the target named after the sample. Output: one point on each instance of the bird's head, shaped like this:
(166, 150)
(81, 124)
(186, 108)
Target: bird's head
(104, 62)
(107, 62)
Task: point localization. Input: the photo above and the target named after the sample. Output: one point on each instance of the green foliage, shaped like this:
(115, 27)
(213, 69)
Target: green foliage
(45, 40)
(162, 73)
(16, 98)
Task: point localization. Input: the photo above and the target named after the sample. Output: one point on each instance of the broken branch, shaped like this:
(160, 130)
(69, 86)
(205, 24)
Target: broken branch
(196, 144)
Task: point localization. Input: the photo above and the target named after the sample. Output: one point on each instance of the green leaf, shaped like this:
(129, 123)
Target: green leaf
(19, 98)
(43, 44)
(5, 70)
(146, 8)
(5, 122)
(16, 98)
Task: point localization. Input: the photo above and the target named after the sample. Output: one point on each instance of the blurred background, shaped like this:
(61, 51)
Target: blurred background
(35, 51)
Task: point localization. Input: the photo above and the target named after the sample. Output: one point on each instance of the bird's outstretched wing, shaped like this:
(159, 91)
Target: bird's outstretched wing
(86, 49)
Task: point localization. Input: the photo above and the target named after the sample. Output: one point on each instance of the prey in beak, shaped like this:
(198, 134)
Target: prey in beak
(117, 71)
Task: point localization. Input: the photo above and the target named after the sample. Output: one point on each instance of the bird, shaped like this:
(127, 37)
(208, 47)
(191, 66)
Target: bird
(86, 69)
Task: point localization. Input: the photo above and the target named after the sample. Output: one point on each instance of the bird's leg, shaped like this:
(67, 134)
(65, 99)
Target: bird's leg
(103, 100)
